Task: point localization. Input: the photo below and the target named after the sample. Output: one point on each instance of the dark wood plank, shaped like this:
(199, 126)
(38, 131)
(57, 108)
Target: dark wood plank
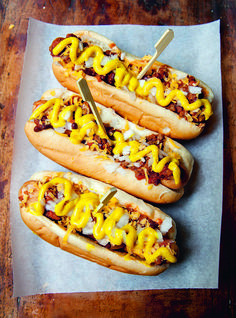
(165, 303)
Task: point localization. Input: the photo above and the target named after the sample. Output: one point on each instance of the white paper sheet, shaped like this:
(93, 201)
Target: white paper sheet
(41, 268)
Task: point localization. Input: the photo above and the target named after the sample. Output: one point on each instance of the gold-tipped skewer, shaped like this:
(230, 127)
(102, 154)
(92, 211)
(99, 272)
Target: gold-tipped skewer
(106, 198)
(87, 96)
(161, 44)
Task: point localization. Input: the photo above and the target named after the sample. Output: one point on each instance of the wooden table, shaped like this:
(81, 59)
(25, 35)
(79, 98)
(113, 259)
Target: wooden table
(158, 303)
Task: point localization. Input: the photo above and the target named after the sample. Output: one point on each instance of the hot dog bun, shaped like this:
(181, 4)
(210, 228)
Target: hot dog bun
(54, 232)
(96, 164)
(135, 108)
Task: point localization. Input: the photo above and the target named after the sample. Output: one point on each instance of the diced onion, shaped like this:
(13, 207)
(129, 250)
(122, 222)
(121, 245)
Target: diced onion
(166, 225)
(60, 196)
(185, 93)
(81, 47)
(108, 58)
(122, 56)
(67, 115)
(105, 60)
(128, 133)
(167, 91)
(153, 91)
(152, 98)
(123, 220)
(60, 130)
(89, 62)
(139, 229)
(162, 153)
(150, 161)
(126, 150)
(68, 125)
(88, 229)
(103, 241)
(124, 158)
(160, 237)
(77, 67)
(141, 82)
(121, 158)
(50, 205)
(195, 89)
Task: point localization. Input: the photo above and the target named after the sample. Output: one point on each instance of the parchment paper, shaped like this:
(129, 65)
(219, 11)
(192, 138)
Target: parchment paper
(42, 268)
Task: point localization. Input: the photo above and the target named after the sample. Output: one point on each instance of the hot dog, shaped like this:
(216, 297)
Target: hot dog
(164, 100)
(126, 235)
(143, 163)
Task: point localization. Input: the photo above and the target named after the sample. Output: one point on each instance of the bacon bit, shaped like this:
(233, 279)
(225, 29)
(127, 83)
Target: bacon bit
(192, 81)
(205, 92)
(139, 174)
(94, 147)
(54, 44)
(153, 178)
(111, 45)
(129, 206)
(51, 215)
(159, 221)
(183, 86)
(38, 103)
(159, 261)
(154, 139)
(69, 35)
(24, 198)
(191, 97)
(98, 77)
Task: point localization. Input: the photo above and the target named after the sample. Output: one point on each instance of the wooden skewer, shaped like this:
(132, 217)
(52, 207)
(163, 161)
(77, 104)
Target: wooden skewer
(87, 96)
(161, 44)
(106, 198)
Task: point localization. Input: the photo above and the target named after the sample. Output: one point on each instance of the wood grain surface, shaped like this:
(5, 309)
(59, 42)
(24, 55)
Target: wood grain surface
(157, 303)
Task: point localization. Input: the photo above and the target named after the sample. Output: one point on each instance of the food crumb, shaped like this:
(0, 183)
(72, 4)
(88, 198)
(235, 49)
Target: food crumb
(11, 26)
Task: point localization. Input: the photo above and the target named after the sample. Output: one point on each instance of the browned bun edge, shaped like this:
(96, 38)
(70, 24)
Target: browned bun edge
(86, 248)
(93, 164)
(186, 164)
(140, 111)
(123, 197)
(77, 245)
(104, 42)
(109, 116)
